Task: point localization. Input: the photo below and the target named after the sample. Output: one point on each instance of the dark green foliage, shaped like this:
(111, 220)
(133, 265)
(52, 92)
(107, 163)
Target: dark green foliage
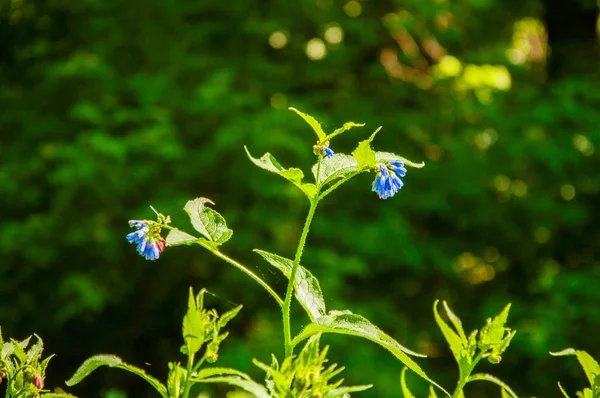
(110, 106)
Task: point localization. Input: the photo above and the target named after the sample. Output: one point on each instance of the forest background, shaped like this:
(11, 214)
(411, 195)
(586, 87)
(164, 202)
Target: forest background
(107, 107)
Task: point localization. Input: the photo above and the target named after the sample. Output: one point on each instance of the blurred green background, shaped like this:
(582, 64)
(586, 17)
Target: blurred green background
(107, 107)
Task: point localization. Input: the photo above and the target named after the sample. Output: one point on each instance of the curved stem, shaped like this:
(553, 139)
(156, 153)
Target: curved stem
(291, 283)
(246, 271)
(337, 184)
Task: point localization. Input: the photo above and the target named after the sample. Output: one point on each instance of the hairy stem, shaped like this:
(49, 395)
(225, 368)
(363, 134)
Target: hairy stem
(465, 377)
(188, 385)
(291, 283)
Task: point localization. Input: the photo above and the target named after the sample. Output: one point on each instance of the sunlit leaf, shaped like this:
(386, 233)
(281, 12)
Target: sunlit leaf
(492, 379)
(247, 385)
(345, 322)
(207, 221)
(294, 175)
(392, 157)
(316, 126)
(307, 289)
(112, 361)
(453, 339)
(176, 237)
(347, 126)
(590, 365)
(405, 390)
(337, 166)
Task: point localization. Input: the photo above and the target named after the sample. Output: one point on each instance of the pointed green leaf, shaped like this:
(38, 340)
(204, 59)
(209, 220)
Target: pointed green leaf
(432, 393)
(453, 339)
(345, 322)
(307, 289)
(596, 386)
(456, 322)
(492, 379)
(563, 391)
(493, 333)
(177, 237)
(342, 392)
(245, 384)
(35, 350)
(337, 166)
(193, 330)
(294, 175)
(586, 393)
(347, 126)
(112, 361)
(589, 364)
(405, 390)
(57, 395)
(226, 317)
(504, 394)
(211, 372)
(207, 221)
(364, 155)
(392, 157)
(316, 126)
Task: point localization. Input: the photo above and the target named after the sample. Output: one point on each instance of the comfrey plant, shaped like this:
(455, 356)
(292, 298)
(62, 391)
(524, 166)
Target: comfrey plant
(23, 370)
(302, 374)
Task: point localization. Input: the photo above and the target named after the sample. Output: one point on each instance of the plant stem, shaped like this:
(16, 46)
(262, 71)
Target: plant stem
(291, 283)
(246, 271)
(465, 377)
(337, 184)
(188, 386)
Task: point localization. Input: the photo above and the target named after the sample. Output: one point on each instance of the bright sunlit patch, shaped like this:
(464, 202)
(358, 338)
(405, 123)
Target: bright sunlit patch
(583, 145)
(567, 192)
(519, 188)
(449, 66)
(278, 101)
(353, 8)
(542, 235)
(315, 49)
(334, 34)
(278, 39)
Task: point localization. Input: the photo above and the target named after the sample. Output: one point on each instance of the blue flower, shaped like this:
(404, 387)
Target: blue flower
(328, 151)
(386, 182)
(149, 242)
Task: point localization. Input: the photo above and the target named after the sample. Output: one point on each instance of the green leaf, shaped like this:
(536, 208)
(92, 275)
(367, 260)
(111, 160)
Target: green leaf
(504, 394)
(563, 391)
(294, 175)
(316, 126)
(226, 317)
(112, 361)
(35, 350)
(247, 385)
(211, 372)
(432, 393)
(345, 322)
(337, 166)
(596, 387)
(347, 126)
(492, 334)
(456, 322)
(307, 289)
(193, 330)
(589, 364)
(176, 380)
(454, 340)
(207, 221)
(344, 391)
(392, 157)
(405, 390)
(177, 237)
(364, 155)
(492, 379)
(57, 395)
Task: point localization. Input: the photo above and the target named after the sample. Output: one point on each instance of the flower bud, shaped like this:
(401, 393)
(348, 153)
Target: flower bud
(37, 381)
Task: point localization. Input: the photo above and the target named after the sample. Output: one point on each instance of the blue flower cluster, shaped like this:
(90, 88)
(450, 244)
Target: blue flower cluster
(149, 244)
(328, 151)
(387, 182)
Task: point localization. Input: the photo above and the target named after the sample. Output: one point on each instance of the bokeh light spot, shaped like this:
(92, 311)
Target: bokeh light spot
(334, 34)
(567, 191)
(315, 49)
(278, 39)
(353, 8)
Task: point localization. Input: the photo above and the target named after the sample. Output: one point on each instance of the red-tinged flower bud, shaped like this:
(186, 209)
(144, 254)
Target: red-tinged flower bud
(160, 245)
(37, 381)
